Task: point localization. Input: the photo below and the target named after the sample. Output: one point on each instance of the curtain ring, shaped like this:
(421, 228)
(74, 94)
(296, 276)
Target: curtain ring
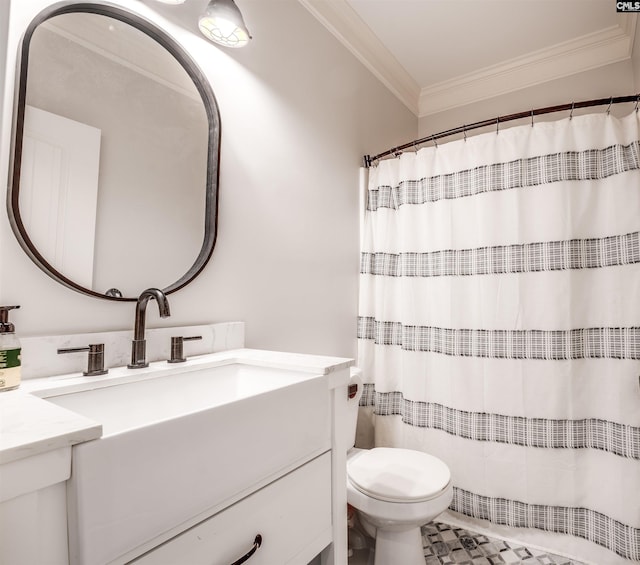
(433, 138)
(609, 107)
(497, 125)
(637, 101)
(415, 146)
(531, 117)
(571, 113)
(464, 128)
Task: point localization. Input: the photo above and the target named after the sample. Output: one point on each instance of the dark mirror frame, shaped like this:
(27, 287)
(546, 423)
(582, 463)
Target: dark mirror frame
(213, 151)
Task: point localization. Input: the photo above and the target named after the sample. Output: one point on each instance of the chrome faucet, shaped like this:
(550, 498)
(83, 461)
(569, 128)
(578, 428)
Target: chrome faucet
(139, 344)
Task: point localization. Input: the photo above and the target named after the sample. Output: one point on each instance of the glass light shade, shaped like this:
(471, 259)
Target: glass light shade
(222, 22)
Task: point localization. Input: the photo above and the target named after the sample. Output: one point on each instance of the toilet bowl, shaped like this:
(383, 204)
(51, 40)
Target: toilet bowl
(395, 491)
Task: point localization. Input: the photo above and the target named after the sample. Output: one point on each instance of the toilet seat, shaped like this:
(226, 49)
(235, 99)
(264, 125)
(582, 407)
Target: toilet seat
(398, 475)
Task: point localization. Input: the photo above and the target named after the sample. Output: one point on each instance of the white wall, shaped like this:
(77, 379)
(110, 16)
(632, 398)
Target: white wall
(603, 82)
(4, 115)
(298, 112)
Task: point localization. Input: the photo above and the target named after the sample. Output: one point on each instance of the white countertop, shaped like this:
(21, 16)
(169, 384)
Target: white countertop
(30, 425)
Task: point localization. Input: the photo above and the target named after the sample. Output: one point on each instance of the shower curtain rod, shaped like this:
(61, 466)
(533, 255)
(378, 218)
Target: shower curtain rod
(368, 160)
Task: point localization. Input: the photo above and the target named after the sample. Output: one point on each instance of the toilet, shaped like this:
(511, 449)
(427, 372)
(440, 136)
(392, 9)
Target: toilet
(395, 492)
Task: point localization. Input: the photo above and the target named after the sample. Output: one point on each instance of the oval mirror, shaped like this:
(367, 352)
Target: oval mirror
(114, 177)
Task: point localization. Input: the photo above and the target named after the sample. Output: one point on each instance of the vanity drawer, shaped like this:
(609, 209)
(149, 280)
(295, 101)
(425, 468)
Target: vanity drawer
(292, 514)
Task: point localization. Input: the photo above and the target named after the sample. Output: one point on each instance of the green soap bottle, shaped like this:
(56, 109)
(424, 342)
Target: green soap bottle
(9, 352)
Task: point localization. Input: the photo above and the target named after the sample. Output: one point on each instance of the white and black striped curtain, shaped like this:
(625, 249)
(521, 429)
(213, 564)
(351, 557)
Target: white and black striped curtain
(499, 323)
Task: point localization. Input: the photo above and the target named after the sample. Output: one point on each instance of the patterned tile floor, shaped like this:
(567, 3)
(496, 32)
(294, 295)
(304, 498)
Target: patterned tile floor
(444, 544)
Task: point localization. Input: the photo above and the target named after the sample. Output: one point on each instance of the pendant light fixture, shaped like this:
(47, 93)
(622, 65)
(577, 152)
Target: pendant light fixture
(222, 22)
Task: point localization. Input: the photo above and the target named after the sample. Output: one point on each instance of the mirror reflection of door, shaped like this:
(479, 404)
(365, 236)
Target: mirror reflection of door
(59, 190)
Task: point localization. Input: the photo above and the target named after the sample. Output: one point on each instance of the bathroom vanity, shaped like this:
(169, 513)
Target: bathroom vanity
(36, 440)
(227, 454)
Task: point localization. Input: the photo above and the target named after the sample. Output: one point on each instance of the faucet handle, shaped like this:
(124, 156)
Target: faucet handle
(95, 364)
(177, 349)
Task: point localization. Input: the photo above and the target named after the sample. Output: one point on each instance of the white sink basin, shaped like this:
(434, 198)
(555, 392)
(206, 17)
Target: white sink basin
(184, 446)
(141, 403)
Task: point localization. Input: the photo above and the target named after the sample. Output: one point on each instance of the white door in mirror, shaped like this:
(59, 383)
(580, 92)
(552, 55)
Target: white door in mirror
(59, 191)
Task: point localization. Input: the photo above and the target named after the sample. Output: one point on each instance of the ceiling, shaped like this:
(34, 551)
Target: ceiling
(435, 55)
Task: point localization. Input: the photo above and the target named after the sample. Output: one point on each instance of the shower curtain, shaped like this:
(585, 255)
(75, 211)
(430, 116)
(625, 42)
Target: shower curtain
(499, 324)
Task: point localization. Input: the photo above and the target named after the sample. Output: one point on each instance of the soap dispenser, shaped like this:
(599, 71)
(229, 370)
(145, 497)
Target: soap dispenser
(9, 352)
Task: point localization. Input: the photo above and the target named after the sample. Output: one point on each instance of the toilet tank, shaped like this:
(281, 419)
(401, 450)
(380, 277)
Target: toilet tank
(350, 416)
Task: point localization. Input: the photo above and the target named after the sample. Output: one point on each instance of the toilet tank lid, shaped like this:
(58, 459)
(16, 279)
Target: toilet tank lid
(397, 475)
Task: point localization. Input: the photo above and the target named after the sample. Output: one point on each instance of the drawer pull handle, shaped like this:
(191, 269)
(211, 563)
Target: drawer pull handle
(256, 544)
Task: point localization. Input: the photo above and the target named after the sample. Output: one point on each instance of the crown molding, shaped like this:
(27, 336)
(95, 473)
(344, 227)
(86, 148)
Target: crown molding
(345, 24)
(603, 47)
(590, 51)
(134, 51)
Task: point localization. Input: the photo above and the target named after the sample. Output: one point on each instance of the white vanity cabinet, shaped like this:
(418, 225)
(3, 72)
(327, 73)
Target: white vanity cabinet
(35, 463)
(189, 463)
(33, 521)
(292, 515)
